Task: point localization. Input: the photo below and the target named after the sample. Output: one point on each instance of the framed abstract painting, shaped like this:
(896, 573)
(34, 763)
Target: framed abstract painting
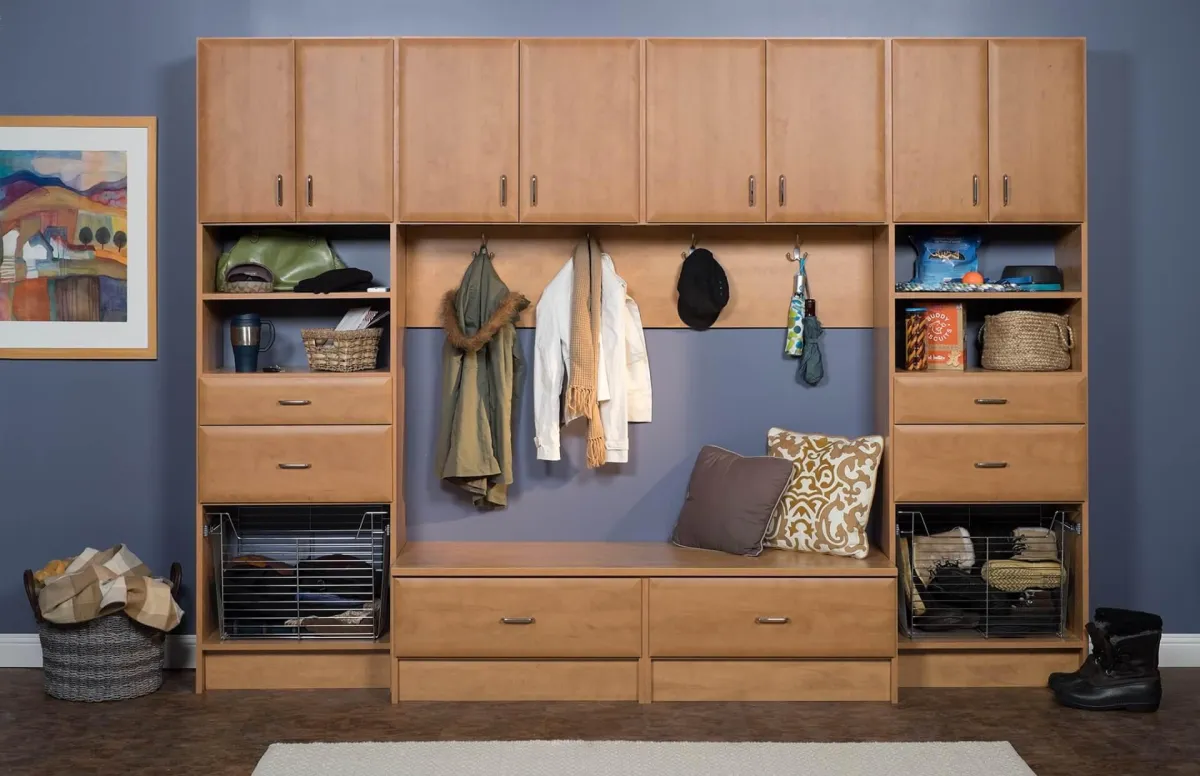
(77, 237)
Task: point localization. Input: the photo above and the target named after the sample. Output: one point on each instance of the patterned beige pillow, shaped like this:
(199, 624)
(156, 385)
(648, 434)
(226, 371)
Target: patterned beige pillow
(827, 503)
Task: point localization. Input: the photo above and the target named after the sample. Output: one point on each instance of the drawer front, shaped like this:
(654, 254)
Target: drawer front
(771, 680)
(517, 617)
(989, 463)
(845, 617)
(295, 464)
(991, 398)
(273, 400)
(516, 680)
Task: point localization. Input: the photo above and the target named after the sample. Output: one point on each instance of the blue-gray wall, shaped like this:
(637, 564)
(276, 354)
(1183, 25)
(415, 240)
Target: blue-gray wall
(95, 453)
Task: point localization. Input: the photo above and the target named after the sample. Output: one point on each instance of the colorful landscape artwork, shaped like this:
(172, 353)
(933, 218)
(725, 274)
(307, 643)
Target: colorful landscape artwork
(64, 236)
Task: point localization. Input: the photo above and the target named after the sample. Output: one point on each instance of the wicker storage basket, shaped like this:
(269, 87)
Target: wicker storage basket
(249, 287)
(1026, 341)
(110, 658)
(341, 351)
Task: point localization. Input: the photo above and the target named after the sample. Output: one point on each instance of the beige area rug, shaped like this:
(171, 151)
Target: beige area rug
(641, 758)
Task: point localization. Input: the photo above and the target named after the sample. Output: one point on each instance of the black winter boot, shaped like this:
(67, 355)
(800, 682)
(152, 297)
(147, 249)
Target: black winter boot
(1125, 674)
(1127, 621)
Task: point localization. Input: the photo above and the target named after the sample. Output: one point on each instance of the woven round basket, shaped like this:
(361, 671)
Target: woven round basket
(329, 350)
(110, 658)
(249, 287)
(1026, 341)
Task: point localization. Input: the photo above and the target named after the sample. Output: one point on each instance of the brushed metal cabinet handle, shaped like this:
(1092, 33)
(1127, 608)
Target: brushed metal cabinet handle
(991, 401)
(503, 191)
(533, 190)
(279, 191)
(975, 191)
(295, 466)
(308, 184)
(772, 620)
(516, 621)
(294, 402)
(1006, 191)
(782, 191)
(991, 464)
(751, 191)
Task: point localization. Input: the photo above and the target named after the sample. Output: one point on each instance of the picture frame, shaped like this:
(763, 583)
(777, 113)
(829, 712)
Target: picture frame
(78, 231)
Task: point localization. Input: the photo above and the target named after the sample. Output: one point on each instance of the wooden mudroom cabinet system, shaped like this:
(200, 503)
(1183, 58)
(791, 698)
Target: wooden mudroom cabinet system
(745, 146)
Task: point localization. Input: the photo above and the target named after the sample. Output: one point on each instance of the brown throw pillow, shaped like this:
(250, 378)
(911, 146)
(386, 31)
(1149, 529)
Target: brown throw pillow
(729, 501)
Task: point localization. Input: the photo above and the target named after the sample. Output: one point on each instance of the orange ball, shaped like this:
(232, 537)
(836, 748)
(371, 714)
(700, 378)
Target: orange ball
(973, 278)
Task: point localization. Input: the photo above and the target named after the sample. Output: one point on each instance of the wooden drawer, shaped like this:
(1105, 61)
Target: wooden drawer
(989, 463)
(991, 397)
(772, 680)
(516, 680)
(292, 399)
(295, 464)
(517, 617)
(845, 617)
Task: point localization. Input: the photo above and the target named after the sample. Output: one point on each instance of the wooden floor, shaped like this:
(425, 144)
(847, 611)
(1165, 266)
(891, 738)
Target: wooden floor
(176, 732)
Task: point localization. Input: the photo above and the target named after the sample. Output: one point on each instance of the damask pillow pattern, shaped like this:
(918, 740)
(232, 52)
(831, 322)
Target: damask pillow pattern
(827, 503)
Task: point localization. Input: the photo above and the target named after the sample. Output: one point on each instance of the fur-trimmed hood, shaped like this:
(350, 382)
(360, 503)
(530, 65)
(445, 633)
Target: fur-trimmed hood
(507, 311)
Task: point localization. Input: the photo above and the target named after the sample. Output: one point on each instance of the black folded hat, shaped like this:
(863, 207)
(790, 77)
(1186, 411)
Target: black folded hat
(335, 280)
(703, 290)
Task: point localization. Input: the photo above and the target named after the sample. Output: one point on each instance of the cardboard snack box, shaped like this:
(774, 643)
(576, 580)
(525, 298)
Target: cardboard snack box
(946, 329)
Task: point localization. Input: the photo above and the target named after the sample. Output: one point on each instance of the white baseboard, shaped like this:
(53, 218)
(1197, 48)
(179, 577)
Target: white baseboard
(23, 650)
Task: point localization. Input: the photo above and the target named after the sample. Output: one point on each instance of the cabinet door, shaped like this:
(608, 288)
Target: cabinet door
(580, 130)
(1038, 163)
(939, 131)
(344, 106)
(825, 131)
(705, 124)
(246, 115)
(458, 130)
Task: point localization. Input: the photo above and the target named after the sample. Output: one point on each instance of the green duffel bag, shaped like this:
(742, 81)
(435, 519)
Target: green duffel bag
(290, 256)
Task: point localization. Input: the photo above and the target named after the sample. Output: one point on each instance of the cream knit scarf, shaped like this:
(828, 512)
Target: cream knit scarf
(585, 349)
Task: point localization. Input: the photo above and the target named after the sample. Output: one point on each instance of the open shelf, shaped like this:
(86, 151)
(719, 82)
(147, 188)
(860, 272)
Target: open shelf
(282, 296)
(214, 643)
(951, 643)
(295, 372)
(964, 296)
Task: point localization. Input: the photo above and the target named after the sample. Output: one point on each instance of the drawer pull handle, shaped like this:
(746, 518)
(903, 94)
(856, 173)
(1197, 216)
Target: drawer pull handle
(516, 620)
(991, 464)
(772, 620)
(295, 466)
(991, 401)
(294, 402)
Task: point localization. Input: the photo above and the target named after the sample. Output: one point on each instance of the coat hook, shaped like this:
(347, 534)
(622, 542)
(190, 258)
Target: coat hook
(693, 241)
(794, 254)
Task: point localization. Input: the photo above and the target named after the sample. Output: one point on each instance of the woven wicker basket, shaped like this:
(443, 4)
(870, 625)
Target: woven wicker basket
(110, 658)
(249, 287)
(341, 351)
(1026, 341)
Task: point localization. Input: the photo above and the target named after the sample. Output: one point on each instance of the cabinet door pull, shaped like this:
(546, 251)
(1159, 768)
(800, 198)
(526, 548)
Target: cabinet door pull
(772, 620)
(751, 191)
(991, 464)
(295, 466)
(279, 191)
(991, 401)
(975, 191)
(294, 402)
(516, 620)
(308, 184)
(782, 191)
(1006, 191)
(533, 190)
(503, 191)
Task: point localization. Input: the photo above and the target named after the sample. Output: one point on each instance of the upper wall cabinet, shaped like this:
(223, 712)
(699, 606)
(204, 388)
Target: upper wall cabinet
(1038, 169)
(825, 131)
(458, 130)
(247, 130)
(940, 130)
(344, 109)
(705, 131)
(581, 130)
